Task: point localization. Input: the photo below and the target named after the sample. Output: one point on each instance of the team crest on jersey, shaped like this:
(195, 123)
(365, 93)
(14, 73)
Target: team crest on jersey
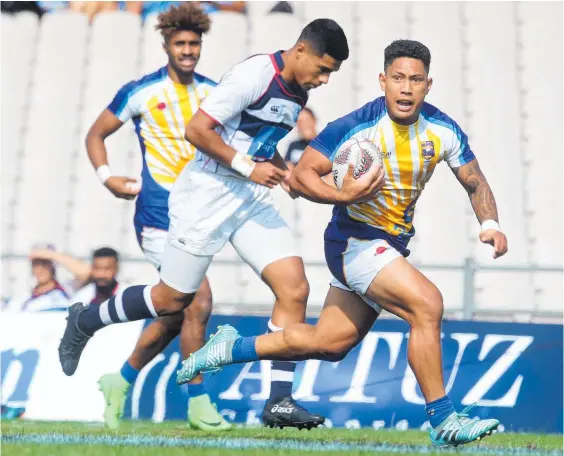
(427, 149)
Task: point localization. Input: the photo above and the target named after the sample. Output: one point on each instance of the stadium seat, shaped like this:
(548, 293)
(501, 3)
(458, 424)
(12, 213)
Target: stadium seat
(97, 217)
(55, 100)
(138, 273)
(254, 292)
(225, 45)
(319, 278)
(430, 22)
(342, 12)
(440, 220)
(451, 285)
(16, 278)
(16, 79)
(225, 282)
(493, 105)
(153, 55)
(379, 23)
(273, 32)
(503, 292)
(548, 288)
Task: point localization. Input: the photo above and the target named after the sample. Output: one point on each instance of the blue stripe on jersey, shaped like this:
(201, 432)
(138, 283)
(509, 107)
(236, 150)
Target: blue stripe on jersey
(199, 79)
(119, 102)
(251, 125)
(339, 131)
(151, 206)
(436, 116)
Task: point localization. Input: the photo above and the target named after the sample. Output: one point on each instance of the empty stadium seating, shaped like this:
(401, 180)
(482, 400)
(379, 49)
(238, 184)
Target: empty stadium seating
(489, 64)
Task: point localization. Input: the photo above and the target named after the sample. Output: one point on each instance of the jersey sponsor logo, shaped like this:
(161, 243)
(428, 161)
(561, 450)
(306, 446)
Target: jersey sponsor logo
(275, 109)
(427, 150)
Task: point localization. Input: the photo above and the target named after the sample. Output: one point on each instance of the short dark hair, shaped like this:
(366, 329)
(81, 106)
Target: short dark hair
(105, 252)
(407, 48)
(325, 36)
(186, 16)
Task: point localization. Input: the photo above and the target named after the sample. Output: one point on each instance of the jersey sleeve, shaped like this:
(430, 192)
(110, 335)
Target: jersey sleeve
(458, 152)
(239, 88)
(122, 106)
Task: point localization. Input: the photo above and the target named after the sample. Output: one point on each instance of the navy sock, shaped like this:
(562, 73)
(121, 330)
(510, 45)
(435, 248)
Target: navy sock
(133, 303)
(282, 374)
(129, 373)
(244, 350)
(197, 389)
(439, 410)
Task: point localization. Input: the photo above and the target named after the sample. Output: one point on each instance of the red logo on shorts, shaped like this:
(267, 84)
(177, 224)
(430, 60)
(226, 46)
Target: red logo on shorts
(381, 250)
(161, 105)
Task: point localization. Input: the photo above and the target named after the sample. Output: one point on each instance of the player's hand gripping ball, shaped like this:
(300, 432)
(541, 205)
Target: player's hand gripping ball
(362, 154)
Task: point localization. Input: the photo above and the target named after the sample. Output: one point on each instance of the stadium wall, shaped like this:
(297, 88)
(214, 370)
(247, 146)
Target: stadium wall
(513, 372)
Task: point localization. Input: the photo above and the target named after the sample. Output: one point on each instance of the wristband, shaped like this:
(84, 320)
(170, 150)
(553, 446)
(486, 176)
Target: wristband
(104, 173)
(490, 225)
(243, 165)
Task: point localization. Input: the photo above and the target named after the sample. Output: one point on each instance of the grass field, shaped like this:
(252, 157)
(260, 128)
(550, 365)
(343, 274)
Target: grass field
(28, 438)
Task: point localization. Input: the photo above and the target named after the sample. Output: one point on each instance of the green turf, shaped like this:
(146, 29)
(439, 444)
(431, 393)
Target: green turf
(179, 430)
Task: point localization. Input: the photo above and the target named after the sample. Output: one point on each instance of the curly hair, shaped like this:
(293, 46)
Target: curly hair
(187, 16)
(407, 48)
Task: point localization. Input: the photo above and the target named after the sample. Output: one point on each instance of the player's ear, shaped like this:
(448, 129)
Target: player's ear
(429, 84)
(301, 49)
(382, 79)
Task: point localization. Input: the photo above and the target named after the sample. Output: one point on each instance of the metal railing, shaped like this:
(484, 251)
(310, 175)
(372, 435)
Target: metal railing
(469, 269)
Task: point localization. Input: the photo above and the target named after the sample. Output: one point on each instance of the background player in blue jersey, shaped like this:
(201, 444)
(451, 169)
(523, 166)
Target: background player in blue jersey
(366, 243)
(160, 105)
(223, 196)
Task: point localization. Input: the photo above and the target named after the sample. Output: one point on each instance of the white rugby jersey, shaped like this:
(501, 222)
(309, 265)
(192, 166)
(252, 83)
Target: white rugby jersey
(254, 108)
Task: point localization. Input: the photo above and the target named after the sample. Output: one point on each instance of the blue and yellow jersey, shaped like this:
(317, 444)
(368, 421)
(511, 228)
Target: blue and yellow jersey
(409, 154)
(160, 109)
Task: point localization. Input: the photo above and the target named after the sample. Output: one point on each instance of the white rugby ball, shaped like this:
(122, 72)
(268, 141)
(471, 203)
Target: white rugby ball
(362, 153)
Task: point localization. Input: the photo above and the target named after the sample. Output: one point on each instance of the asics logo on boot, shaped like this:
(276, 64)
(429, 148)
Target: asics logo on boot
(279, 409)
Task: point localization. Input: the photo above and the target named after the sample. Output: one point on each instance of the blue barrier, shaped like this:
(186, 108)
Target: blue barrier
(514, 372)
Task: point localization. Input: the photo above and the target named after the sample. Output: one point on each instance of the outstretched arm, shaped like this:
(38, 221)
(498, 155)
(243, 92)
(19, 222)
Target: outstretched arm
(483, 202)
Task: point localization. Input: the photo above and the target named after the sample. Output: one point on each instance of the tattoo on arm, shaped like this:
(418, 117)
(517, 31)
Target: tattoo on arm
(478, 189)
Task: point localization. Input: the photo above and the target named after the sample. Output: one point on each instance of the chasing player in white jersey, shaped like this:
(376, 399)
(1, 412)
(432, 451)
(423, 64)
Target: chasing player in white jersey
(223, 196)
(365, 243)
(160, 105)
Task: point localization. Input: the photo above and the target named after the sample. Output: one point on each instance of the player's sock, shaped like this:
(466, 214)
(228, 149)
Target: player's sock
(129, 373)
(132, 304)
(197, 389)
(243, 350)
(282, 373)
(439, 410)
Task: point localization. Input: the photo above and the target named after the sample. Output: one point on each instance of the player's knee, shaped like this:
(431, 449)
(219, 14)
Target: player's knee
(429, 310)
(295, 293)
(168, 301)
(200, 310)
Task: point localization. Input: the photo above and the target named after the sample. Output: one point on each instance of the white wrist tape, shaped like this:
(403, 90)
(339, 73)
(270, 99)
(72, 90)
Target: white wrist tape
(243, 165)
(490, 225)
(104, 173)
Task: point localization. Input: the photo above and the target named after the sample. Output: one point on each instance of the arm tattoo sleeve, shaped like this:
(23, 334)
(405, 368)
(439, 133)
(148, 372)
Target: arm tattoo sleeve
(478, 189)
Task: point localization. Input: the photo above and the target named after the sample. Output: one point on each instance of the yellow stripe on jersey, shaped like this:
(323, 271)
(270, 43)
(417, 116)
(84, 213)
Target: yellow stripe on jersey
(179, 129)
(388, 167)
(164, 127)
(186, 108)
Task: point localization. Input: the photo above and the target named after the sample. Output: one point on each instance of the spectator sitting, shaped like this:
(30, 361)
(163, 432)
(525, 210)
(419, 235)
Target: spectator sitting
(102, 280)
(48, 293)
(307, 130)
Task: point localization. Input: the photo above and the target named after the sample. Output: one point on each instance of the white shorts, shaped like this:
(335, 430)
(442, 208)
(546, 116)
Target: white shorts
(153, 241)
(208, 210)
(356, 262)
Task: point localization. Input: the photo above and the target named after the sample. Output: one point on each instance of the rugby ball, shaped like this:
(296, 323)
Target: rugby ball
(363, 154)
